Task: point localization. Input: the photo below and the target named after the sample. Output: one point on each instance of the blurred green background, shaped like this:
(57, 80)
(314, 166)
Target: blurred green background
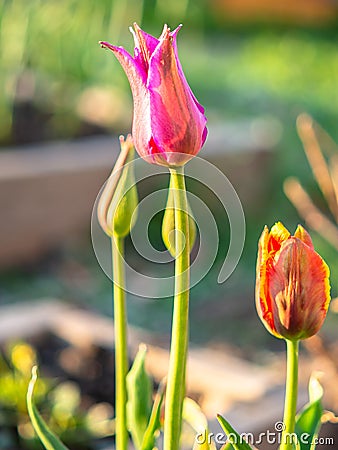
(243, 60)
(248, 62)
(276, 63)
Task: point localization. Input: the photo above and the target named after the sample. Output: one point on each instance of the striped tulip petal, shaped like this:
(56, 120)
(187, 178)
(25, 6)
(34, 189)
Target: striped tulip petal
(292, 284)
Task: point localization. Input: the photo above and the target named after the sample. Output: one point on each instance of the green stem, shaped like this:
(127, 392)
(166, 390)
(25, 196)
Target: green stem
(121, 348)
(180, 325)
(291, 394)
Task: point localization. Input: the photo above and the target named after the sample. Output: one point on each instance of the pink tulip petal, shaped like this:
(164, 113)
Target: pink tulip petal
(204, 135)
(177, 124)
(145, 45)
(149, 41)
(169, 125)
(173, 34)
(134, 71)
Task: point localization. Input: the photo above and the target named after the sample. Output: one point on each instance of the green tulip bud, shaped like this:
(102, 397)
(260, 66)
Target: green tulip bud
(117, 208)
(168, 225)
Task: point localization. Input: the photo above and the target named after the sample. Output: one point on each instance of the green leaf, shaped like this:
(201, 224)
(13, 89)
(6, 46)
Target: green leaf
(308, 421)
(233, 437)
(154, 424)
(139, 398)
(46, 436)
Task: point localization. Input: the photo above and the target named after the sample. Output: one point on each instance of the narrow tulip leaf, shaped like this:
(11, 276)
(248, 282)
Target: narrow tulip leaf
(234, 438)
(49, 440)
(308, 421)
(154, 424)
(139, 398)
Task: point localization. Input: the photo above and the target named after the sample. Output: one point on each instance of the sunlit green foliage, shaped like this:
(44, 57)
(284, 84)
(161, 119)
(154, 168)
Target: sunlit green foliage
(50, 58)
(65, 416)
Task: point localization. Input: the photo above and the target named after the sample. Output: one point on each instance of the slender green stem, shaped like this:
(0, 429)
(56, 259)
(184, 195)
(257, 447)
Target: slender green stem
(180, 325)
(121, 348)
(291, 394)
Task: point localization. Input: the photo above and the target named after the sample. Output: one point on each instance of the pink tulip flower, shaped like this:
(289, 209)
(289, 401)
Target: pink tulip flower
(169, 125)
